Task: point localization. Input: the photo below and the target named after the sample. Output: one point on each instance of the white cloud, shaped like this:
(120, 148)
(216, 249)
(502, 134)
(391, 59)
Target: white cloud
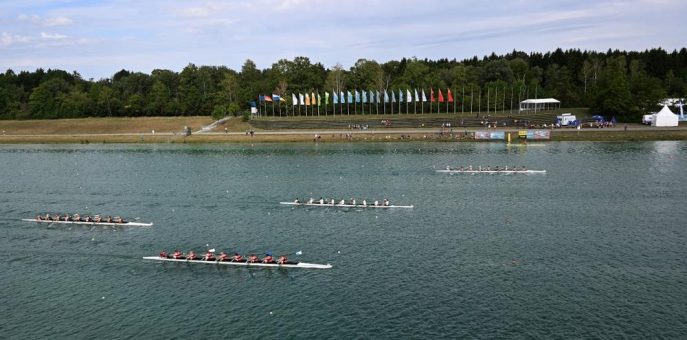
(53, 36)
(9, 39)
(46, 22)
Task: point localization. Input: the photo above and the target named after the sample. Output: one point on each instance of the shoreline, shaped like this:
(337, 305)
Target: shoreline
(640, 133)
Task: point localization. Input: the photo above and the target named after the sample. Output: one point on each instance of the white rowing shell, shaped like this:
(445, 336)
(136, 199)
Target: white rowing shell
(492, 171)
(346, 205)
(244, 264)
(125, 224)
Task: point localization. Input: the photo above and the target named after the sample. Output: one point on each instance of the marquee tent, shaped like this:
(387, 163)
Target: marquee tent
(665, 117)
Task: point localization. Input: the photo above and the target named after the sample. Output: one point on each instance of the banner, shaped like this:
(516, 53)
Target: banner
(490, 135)
(538, 134)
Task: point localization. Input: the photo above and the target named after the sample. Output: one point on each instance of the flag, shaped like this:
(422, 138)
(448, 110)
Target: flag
(268, 98)
(307, 99)
(424, 98)
(342, 98)
(261, 98)
(379, 97)
(319, 99)
(450, 96)
(372, 97)
(364, 96)
(350, 97)
(326, 98)
(252, 103)
(400, 95)
(441, 96)
(409, 97)
(431, 95)
(386, 97)
(393, 96)
(313, 99)
(417, 99)
(276, 97)
(336, 97)
(357, 96)
(302, 100)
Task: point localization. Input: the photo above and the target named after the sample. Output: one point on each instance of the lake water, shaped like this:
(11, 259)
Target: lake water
(595, 248)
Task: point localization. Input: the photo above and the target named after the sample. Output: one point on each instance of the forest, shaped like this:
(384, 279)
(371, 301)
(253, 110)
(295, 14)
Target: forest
(624, 84)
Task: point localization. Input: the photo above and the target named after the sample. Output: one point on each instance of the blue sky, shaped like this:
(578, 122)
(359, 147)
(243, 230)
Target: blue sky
(98, 38)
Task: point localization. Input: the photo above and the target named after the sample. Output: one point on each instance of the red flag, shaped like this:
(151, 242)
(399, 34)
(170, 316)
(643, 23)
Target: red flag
(441, 97)
(268, 98)
(450, 96)
(431, 95)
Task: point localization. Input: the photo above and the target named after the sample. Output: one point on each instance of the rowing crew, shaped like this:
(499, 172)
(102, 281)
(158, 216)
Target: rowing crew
(224, 257)
(488, 168)
(352, 201)
(79, 218)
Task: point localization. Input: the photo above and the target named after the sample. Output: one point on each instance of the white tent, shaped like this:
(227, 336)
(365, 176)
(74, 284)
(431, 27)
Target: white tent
(665, 117)
(539, 104)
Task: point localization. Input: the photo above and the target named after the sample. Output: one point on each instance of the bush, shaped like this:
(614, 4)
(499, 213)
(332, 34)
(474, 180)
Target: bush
(246, 116)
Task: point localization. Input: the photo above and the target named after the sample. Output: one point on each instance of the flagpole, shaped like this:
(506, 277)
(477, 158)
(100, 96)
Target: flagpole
(496, 96)
(462, 103)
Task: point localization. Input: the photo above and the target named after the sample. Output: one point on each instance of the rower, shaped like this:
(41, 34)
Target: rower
(253, 258)
(524, 168)
(39, 218)
(223, 256)
(96, 218)
(177, 255)
(209, 256)
(343, 202)
(118, 219)
(87, 219)
(364, 203)
(461, 168)
(376, 203)
(163, 254)
(321, 200)
(47, 217)
(268, 258)
(297, 201)
(282, 259)
(496, 168)
(332, 202)
(66, 217)
(238, 258)
(191, 255)
(352, 201)
(109, 219)
(470, 167)
(311, 200)
(386, 202)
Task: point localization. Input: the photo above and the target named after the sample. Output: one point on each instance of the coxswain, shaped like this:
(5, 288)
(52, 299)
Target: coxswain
(209, 256)
(448, 168)
(296, 201)
(163, 254)
(191, 255)
(118, 219)
(282, 259)
(223, 256)
(253, 258)
(238, 258)
(268, 258)
(177, 255)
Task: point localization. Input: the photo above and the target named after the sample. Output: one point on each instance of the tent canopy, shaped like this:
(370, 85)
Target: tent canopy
(540, 104)
(665, 117)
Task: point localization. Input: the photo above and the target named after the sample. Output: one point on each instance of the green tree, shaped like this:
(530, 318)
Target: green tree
(613, 92)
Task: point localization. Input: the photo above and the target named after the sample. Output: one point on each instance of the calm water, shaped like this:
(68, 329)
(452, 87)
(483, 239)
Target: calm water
(594, 248)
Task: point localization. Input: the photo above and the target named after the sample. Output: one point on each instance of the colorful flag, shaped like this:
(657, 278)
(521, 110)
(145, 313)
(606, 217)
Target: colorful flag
(268, 98)
(294, 100)
(400, 96)
(393, 96)
(302, 99)
(326, 98)
(307, 99)
(441, 96)
(313, 99)
(386, 97)
(319, 99)
(372, 97)
(261, 98)
(450, 96)
(379, 97)
(417, 98)
(342, 97)
(409, 97)
(276, 97)
(431, 95)
(357, 96)
(336, 97)
(350, 97)
(364, 96)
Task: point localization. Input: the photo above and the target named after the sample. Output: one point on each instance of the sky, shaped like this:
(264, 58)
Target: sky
(99, 38)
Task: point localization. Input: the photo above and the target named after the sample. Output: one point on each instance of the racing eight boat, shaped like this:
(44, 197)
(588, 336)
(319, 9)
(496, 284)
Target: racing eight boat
(492, 171)
(243, 263)
(115, 224)
(339, 205)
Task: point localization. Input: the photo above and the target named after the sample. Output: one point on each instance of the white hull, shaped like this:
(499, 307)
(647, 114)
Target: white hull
(244, 264)
(126, 224)
(492, 171)
(347, 205)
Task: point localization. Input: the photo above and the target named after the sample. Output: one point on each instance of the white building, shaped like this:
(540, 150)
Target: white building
(665, 117)
(542, 104)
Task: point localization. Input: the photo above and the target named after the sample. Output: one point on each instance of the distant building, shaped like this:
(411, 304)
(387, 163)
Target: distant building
(543, 104)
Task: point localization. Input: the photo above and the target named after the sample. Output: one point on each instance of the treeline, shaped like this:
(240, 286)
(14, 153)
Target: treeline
(620, 83)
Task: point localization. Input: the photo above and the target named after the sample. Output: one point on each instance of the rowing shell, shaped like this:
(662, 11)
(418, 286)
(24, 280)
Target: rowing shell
(492, 171)
(346, 205)
(245, 264)
(125, 224)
